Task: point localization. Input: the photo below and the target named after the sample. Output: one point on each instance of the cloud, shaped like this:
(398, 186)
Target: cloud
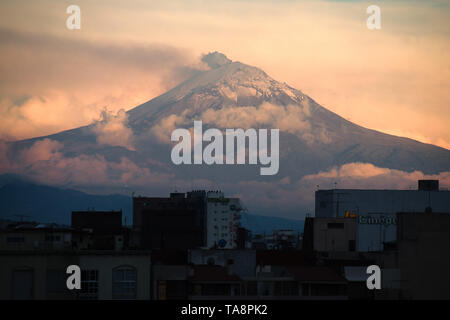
(5, 164)
(394, 80)
(44, 162)
(291, 118)
(113, 130)
(41, 150)
(163, 129)
(365, 175)
(51, 83)
(296, 198)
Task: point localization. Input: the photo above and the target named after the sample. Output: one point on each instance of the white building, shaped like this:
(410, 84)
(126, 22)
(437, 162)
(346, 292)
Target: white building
(222, 220)
(375, 210)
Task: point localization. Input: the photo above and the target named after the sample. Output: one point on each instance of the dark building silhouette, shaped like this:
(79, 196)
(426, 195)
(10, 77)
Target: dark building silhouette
(424, 254)
(177, 222)
(105, 228)
(428, 185)
(101, 222)
(242, 238)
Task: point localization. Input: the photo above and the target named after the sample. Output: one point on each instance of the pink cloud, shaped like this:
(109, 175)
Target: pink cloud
(45, 163)
(113, 130)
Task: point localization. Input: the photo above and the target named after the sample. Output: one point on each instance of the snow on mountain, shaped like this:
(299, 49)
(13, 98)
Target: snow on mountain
(313, 142)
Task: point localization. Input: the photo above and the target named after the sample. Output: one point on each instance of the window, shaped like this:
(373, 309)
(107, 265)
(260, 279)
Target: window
(89, 285)
(124, 283)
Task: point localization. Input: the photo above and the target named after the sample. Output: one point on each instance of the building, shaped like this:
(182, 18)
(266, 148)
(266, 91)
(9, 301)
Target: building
(170, 270)
(330, 235)
(223, 221)
(375, 210)
(423, 243)
(196, 219)
(105, 275)
(176, 222)
(278, 240)
(293, 275)
(104, 227)
(22, 236)
(213, 282)
(241, 262)
(99, 222)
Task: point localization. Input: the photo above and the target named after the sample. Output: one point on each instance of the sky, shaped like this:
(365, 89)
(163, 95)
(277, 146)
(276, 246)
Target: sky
(395, 79)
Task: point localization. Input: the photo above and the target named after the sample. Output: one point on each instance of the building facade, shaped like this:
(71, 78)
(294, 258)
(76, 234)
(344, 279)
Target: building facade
(375, 210)
(223, 221)
(176, 222)
(105, 275)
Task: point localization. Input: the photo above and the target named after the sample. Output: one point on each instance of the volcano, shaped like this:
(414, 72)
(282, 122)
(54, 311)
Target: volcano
(130, 151)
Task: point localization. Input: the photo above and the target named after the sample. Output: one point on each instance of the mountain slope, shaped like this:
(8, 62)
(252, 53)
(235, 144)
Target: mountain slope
(19, 197)
(228, 95)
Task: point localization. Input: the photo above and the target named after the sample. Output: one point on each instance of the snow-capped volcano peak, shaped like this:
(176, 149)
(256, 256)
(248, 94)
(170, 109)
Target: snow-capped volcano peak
(226, 83)
(315, 143)
(215, 59)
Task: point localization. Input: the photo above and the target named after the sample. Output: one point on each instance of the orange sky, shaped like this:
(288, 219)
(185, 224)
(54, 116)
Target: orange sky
(395, 80)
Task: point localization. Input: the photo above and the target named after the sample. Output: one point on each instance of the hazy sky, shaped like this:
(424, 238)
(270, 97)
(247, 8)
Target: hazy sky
(395, 80)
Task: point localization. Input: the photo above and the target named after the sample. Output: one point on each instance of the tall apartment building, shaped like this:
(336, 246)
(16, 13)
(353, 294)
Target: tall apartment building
(196, 219)
(223, 220)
